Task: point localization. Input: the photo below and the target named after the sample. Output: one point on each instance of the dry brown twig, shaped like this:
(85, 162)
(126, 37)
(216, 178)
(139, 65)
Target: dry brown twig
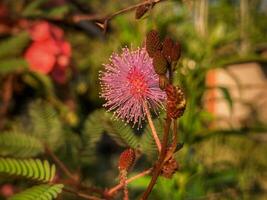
(102, 21)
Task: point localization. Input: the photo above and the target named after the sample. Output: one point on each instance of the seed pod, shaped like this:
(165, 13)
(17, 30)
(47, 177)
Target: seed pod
(159, 63)
(127, 159)
(141, 10)
(152, 42)
(163, 81)
(176, 102)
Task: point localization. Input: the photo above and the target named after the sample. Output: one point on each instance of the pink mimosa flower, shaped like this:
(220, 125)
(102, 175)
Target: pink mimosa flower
(128, 82)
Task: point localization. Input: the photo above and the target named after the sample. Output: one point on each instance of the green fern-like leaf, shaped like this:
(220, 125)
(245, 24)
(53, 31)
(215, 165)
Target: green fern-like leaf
(33, 169)
(40, 82)
(46, 124)
(100, 122)
(123, 134)
(19, 145)
(92, 132)
(43, 192)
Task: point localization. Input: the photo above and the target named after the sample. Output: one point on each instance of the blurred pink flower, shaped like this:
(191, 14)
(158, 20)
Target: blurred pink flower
(39, 58)
(129, 81)
(49, 53)
(43, 30)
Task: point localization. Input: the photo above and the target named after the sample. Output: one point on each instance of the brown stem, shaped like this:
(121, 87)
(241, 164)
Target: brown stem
(159, 165)
(175, 133)
(106, 18)
(62, 166)
(75, 179)
(163, 153)
(120, 186)
(152, 127)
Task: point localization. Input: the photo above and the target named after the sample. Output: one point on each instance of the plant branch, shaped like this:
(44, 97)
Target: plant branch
(113, 190)
(78, 18)
(61, 165)
(159, 164)
(163, 153)
(175, 133)
(152, 127)
(65, 169)
(106, 18)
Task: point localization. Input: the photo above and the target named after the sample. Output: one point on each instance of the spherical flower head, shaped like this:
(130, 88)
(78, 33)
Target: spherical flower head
(129, 82)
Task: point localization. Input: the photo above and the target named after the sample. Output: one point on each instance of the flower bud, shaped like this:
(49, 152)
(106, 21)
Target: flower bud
(163, 81)
(169, 168)
(176, 102)
(171, 50)
(127, 159)
(153, 42)
(159, 63)
(167, 48)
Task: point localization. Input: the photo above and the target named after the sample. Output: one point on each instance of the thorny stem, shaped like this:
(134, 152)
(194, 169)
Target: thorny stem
(120, 186)
(152, 126)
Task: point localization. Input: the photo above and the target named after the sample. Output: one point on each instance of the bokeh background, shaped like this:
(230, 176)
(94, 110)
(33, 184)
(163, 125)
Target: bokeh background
(223, 70)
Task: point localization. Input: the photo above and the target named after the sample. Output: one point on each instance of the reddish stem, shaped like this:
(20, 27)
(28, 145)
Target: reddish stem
(120, 186)
(152, 127)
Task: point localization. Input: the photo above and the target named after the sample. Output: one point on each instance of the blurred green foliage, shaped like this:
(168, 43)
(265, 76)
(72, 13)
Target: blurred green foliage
(215, 164)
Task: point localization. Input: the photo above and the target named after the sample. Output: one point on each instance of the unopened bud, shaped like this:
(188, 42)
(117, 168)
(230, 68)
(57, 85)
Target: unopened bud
(167, 48)
(159, 63)
(153, 42)
(169, 168)
(127, 159)
(163, 81)
(176, 102)
(171, 50)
